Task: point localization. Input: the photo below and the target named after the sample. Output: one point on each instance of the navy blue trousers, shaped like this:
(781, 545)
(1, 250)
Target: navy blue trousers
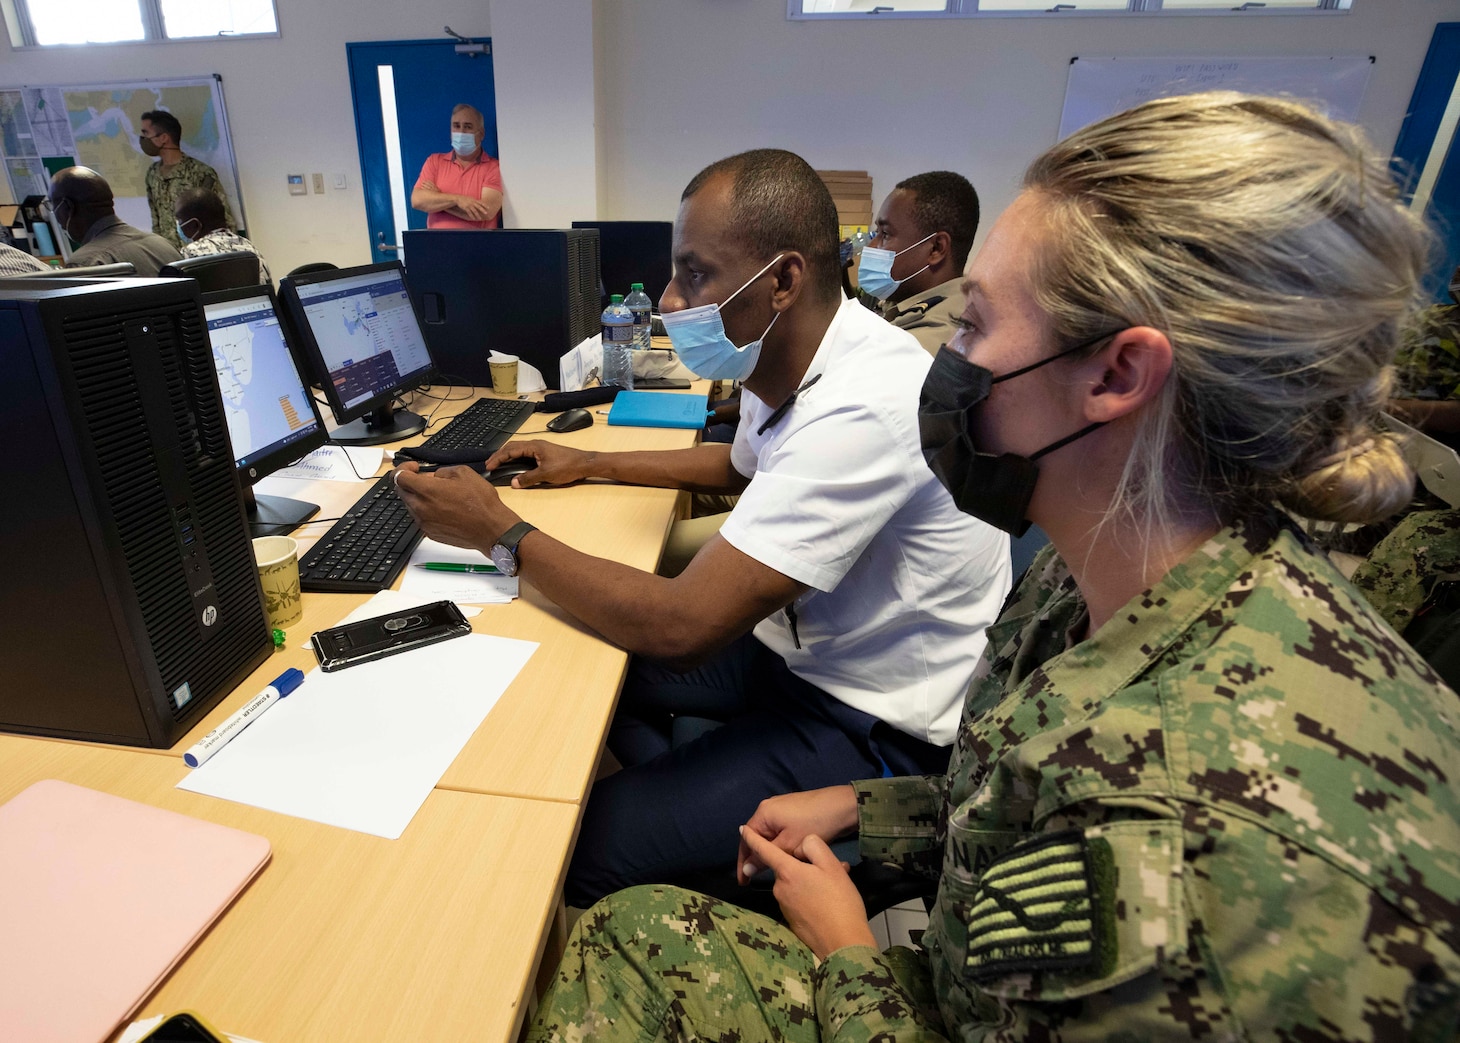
(673, 813)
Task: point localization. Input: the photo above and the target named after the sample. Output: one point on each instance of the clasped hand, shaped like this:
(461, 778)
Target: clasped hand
(786, 835)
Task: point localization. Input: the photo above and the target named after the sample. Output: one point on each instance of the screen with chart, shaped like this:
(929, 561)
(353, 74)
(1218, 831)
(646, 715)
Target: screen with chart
(264, 399)
(367, 333)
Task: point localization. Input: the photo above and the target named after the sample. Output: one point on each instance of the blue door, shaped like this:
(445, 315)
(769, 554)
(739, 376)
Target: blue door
(1426, 152)
(404, 93)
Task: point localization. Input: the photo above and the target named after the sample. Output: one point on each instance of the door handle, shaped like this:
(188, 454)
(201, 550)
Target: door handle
(382, 245)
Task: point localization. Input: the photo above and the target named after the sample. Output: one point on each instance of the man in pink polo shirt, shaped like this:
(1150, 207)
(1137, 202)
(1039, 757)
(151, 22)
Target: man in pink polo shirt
(461, 188)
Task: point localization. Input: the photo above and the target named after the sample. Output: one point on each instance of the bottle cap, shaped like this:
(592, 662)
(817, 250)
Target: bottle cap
(615, 298)
(636, 286)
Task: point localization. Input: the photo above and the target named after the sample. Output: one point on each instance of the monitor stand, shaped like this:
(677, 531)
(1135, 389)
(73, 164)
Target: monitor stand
(275, 515)
(383, 425)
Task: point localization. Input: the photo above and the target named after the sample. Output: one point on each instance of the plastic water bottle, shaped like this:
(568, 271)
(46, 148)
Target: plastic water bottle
(639, 303)
(618, 343)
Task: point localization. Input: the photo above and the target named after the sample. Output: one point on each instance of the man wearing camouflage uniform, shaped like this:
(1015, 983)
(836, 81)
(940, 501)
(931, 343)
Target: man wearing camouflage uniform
(1427, 371)
(173, 174)
(929, 221)
(1232, 813)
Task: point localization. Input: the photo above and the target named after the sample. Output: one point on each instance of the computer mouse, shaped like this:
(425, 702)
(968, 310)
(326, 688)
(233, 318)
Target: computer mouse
(504, 473)
(571, 420)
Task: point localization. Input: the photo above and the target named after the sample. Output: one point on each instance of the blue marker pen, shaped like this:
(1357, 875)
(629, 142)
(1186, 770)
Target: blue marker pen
(219, 737)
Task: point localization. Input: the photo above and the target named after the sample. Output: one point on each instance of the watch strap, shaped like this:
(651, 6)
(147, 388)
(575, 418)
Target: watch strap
(513, 536)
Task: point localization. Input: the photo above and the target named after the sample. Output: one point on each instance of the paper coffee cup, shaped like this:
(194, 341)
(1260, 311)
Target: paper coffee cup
(504, 377)
(277, 558)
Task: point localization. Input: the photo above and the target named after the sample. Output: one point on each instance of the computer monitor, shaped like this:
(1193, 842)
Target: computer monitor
(216, 271)
(634, 251)
(529, 292)
(360, 336)
(272, 417)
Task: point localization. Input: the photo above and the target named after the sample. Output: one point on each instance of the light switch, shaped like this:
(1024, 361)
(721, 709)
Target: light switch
(318, 183)
(297, 187)
(339, 181)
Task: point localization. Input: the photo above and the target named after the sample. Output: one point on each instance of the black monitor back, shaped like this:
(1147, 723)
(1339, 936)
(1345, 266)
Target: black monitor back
(532, 293)
(213, 272)
(130, 589)
(634, 251)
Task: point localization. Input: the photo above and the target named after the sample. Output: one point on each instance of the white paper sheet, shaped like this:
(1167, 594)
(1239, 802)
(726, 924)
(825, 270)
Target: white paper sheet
(362, 747)
(462, 587)
(582, 365)
(330, 462)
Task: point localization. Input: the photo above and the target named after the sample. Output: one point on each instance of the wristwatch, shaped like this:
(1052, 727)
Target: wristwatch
(504, 551)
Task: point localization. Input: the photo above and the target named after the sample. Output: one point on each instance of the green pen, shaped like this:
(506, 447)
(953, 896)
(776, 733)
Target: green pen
(456, 566)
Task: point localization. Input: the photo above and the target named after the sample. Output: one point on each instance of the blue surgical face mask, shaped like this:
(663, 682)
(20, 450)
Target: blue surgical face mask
(180, 233)
(874, 270)
(698, 335)
(463, 144)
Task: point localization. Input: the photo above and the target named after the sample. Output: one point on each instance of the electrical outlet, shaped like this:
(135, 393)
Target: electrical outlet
(339, 181)
(318, 183)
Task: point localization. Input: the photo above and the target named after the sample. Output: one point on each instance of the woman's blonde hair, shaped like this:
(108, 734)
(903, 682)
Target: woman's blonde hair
(1268, 243)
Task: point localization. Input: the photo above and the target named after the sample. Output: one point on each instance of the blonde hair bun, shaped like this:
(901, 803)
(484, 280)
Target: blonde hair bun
(1359, 482)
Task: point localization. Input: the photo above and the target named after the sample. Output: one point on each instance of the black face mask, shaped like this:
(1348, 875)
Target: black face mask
(995, 489)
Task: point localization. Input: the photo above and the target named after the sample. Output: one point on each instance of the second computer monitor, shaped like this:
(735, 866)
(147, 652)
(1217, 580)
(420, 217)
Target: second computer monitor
(358, 330)
(272, 417)
(634, 251)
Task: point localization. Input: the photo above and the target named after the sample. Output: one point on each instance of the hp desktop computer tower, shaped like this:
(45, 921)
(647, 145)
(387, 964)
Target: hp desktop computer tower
(634, 251)
(532, 293)
(132, 600)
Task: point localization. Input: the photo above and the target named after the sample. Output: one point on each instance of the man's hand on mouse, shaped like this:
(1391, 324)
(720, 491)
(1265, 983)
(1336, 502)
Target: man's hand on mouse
(556, 464)
(454, 505)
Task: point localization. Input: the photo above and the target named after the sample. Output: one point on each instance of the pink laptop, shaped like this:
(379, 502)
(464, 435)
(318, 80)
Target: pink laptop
(100, 898)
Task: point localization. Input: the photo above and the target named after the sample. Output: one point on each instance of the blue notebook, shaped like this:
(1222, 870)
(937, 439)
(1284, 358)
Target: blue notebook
(658, 409)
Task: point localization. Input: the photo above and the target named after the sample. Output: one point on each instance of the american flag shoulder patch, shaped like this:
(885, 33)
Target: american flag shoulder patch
(1038, 908)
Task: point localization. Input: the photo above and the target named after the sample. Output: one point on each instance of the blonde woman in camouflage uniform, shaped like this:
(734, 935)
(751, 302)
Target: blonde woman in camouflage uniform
(1200, 790)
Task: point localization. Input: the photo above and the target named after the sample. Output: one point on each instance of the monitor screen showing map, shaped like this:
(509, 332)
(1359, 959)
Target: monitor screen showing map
(264, 398)
(366, 333)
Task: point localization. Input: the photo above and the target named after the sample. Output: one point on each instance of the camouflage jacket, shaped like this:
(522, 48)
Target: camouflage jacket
(163, 190)
(1232, 812)
(1427, 364)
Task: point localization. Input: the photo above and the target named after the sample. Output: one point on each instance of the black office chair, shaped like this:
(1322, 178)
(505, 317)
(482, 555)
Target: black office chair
(225, 271)
(95, 271)
(313, 266)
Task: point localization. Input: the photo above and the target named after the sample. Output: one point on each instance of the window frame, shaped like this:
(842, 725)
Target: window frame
(970, 9)
(22, 30)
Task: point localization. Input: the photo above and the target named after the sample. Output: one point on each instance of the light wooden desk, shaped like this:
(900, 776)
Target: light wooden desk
(345, 936)
(543, 738)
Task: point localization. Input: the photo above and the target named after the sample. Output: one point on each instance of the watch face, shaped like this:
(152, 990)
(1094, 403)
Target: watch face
(504, 559)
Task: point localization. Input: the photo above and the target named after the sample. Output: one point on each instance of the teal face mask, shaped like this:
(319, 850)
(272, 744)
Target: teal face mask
(874, 270)
(698, 335)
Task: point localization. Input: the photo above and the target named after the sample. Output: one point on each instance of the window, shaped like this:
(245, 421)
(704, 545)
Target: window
(813, 9)
(47, 23)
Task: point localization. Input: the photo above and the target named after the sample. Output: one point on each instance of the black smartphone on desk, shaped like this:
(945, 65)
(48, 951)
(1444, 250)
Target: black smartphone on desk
(183, 1027)
(355, 643)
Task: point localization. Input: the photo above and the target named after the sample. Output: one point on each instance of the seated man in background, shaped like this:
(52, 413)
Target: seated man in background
(14, 261)
(911, 269)
(835, 621)
(81, 201)
(202, 225)
(461, 188)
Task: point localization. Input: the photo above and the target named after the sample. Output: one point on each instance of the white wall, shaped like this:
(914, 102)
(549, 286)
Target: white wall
(685, 82)
(542, 57)
(288, 107)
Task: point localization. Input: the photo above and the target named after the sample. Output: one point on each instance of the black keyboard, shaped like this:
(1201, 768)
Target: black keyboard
(366, 549)
(485, 424)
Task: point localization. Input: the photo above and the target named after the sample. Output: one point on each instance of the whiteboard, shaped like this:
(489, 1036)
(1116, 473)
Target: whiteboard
(96, 125)
(1100, 87)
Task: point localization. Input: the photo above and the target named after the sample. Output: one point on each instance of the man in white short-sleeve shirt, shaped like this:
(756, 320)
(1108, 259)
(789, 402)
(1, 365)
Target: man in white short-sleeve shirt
(832, 627)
